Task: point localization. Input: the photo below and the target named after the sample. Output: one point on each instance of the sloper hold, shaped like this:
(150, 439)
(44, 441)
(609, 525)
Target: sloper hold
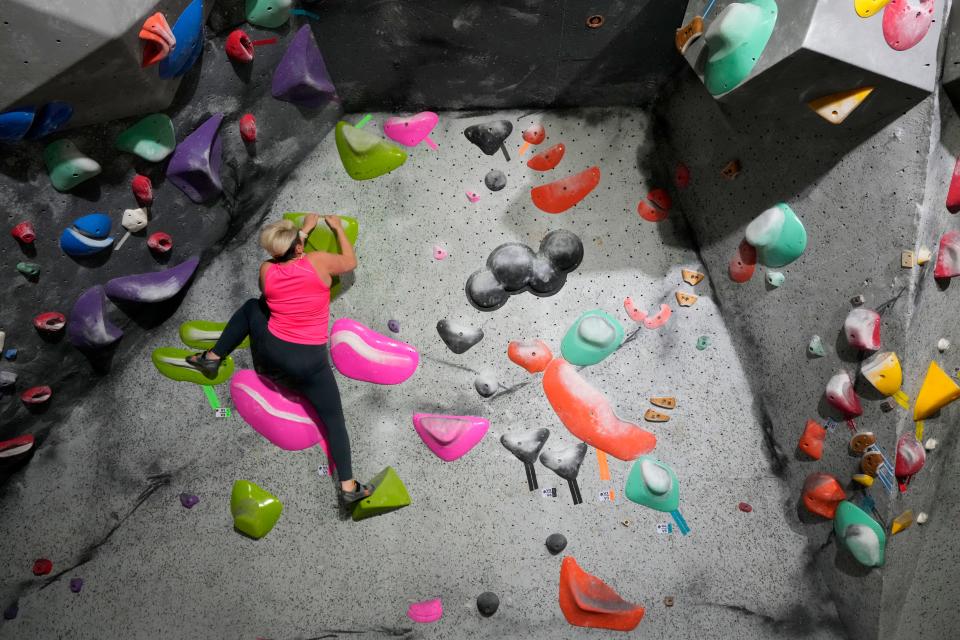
(322, 238)
(884, 372)
(811, 442)
(906, 22)
(587, 601)
(194, 167)
(911, 456)
(653, 484)
(822, 494)
(49, 118)
(88, 235)
(388, 495)
(594, 336)
(836, 107)
(188, 36)
(89, 327)
(426, 611)
(152, 138)
(412, 130)
(67, 165)
(301, 76)
(15, 123)
(450, 437)
(534, 355)
(526, 446)
(489, 136)
(203, 334)
(457, 336)
(158, 39)
(255, 511)
(937, 391)
(560, 195)
(735, 40)
(172, 363)
(778, 236)
(547, 159)
(862, 328)
(841, 396)
(268, 13)
(364, 155)
(587, 414)
(860, 534)
(948, 256)
(565, 462)
(361, 353)
(155, 286)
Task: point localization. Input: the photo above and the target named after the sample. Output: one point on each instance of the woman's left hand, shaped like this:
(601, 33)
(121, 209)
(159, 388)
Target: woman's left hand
(309, 222)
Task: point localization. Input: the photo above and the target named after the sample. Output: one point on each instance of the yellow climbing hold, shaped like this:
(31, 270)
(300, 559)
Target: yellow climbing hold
(883, 371)
(835, 107)
(901, 522)
(938, 390)
(863, 479)
(867, 8)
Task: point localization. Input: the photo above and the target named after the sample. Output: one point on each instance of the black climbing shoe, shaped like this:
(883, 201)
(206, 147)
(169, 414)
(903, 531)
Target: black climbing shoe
(349, 498)
(205, 365)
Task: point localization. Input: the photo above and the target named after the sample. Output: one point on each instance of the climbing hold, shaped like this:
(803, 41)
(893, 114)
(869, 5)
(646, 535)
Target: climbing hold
(76, 585)
(49, 118)
(657, 207)
(862, 328)
(10, 354)
(526, 447)
(89, 327)
(587, 601)
(282, 416)
(937, 391)
(775, 278)
(389, 495)
(194, 167)
(29, 269)
(743, 264)
(735, 40)
(42, 567)
(681, 176)
(594, 336)
(457, 336)
(269, 14)
(635, 314)
(911, 456)
(36, 395)
(487, 603)
(10, 613)
(870, 462)
(248, 128)
(154, 286)
(439, 253)
(67, 166)
(836, 107)
(860, 534)
(655, 416)
(49, 322)
(450, 437)
(693, 278)
(172, 363)
(188, 37)
(587, 414)
(922, 518)
(778, 235)
(534, 134)
(364, 155)
(883, 371)
(88, 235)
(867, 8)
(566, 463)
(841, 396)
(556, 542)
(426, 611)
(664, 402)
(160, 242)
(703, 342)
(152, 138)
(322, 238)
(255, 511)
(923, 256)
(15, 124)
(410, 131)
(901, 522)
(745, 507)
(948, 255)
(668, 601)
(361, 353)
(534, 356)
(158, 39)
(134, 220)
(15, 450)
(301, 77)
(688, 34)
(393, 325)
(203, 334)
(239, 47)
(653, 322)
(811, 442)
(857, 300)
(863, 479)
(822, 494)
(486, 383)
(862, 441)
(490, 136)
(142, 190)
(652, 483)
(473, 197)
(906, 22)
(548, 158)
(943, 344)
(560, 195)
(931, 444)
(815, 348)
(906, 259)
(495, 180)
(24, 233)
(685, 299)
(189, 501)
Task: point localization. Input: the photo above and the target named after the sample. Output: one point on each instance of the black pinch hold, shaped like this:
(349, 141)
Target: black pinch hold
(566, 464)
(526, 446)
(490, 136)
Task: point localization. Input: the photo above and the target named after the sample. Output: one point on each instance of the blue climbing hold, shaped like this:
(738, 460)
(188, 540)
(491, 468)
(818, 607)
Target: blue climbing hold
(51, 117)
(188, 32)
(10, 354)
(15, 123)
(88, 235)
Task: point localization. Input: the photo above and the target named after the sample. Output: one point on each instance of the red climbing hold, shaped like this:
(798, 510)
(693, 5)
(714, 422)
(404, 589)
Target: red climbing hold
(953, 194)
(160, 242)
(534, 134)
(560, 195)
(142, 190)
(587, 601)
(239, 46)
(16, 449)
(248, 128)
(811, 442)
(657, 206)
(548, 159)
(24, 233)
(948, 256)
(42, 567)
(906, 22)
(822, 493)
(36, 395)
(744, 263)
(50, 322)
(681, 176)
(745, 507)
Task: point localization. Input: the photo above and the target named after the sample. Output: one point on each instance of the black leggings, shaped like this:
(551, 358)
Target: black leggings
(302, 367)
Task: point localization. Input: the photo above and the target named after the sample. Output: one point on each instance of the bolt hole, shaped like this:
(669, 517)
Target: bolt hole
(595, 21)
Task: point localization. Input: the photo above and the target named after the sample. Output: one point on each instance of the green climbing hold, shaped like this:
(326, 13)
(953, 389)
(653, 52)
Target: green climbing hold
(203, 334)
(594, 336)
(29, 269)
(775, 278)
(255, 511)
(815, 348)
(323, 239)
(860, 534)
(67, 166)
(734, 41)
(653, 484)
(172, 363)
(778, 236)
(268, 13)
(389, 495)
(151, 138)
(364, 155)
(703, 342)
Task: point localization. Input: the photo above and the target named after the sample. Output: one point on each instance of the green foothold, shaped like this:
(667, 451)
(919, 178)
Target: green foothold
(29, 269)
(653, 484)
(268, 13)
(815, 348)
(364, 155)
(151, 138)
(775, 278)
(703, 342)
(203, 334)
(778, 236)
(389, 495)
(865, 540)
(734, 41)
(594, 336)
(172, 363)
(323, 239)
(67, 166)
(255, 511)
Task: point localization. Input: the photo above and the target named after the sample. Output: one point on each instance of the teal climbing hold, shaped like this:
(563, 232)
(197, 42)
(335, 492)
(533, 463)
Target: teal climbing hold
(703, 342)
(67, 165)
(268, 13)
(152, 138)
(815, 348)
(594, 336)
(734, 41)
(172, 363)
(203, 334)
(778, 236)
(860, 534)
(29, 269)
(653, 484)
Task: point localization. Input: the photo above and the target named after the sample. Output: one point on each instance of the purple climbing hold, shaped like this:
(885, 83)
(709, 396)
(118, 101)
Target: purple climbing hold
(195, 165)
(393, 325)
(155, 286)
(76, 584)
(188, 500)
(89, 328)
(11, 612)
(301, 77)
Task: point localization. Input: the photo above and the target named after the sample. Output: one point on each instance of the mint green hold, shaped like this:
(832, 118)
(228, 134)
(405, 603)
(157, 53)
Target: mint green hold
(594, 336)
(653, 484)
(815, 348)
(152, 138)
(67, 166)
(29, 269)
(735, 40)
(860, 534)
(775, 278)
(778, 236)
(268, 13)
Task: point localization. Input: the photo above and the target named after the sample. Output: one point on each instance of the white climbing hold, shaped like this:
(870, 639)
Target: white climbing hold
(930, 444)
(775, 278)
(134, 219)
(923, 255)
(943, 344)
(655, 477)
(596, 331)
(922, 517)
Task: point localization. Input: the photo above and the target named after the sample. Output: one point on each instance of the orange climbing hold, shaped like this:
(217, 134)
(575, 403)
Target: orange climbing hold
(158, 39)
(534, 356)
(811, 442)
(560, 195)
(546, 160)
(744, 263)
(822, 493)
(587, 601)
(587, 414)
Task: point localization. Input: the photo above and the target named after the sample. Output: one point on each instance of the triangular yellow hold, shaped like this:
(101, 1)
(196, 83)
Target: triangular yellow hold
(837, 106)
(938, 390)
(867, 8)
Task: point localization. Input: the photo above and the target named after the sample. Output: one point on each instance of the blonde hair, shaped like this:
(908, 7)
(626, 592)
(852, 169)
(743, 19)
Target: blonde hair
(277, 238)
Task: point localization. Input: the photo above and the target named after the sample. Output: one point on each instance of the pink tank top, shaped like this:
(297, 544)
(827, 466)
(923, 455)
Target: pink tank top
(299, 302)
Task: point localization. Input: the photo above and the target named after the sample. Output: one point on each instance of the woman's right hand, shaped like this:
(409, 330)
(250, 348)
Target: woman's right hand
(334, 222)
(309, 222)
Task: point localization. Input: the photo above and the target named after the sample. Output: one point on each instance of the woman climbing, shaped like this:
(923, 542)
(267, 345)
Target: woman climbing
(288, 330)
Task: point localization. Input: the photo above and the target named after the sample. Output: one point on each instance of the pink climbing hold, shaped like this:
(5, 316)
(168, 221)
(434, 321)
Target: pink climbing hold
(841, 396)
(472, 196)
(50, 322)
(248, 128)
(681, 176)
(361, 353)
(906, 22)
(142, 189)
(24, 233)
(635, 314)
(953, 194)
(948, 256)
(862, 328)
(426, 611)
(450, 437)
(410, 131)
(160, 242)
(36, 395)
(744, 263)
(911, 456)
(439, 253)
(653, 322)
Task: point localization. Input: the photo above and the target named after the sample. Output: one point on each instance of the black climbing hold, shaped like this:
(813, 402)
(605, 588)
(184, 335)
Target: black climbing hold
(489, 136)
(487, 603)
(556, 542)
(495, 180)
(458, 337)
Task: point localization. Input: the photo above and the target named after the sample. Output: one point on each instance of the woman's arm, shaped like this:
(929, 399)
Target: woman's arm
(336, 263)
